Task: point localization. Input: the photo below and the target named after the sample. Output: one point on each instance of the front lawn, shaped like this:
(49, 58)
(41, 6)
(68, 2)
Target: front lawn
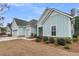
(30, 48)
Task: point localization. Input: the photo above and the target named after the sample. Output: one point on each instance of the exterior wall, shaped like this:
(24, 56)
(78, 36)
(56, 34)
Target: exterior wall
(21, 31)
(8, 30)
(14, 29)
(28, 32)
(62, 23)
(0, 30)
(34, 30)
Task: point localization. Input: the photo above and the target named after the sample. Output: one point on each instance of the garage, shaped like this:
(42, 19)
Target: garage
(14, 33)
(28, 32)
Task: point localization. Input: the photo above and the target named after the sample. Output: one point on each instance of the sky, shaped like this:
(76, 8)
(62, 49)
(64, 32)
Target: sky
(29, 11)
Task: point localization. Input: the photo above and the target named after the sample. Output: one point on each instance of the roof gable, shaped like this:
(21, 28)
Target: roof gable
(20, 22)
(33, 23)
(50, 10)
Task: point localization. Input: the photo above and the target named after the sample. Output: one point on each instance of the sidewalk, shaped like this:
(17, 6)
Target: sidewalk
(14, 38)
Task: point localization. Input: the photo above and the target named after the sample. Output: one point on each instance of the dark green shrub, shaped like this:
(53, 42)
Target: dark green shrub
(52, 40)
(31, 34)
(75, 39)
(38, 37)
(61, 41)
(45, 38)
(35, 35)
(66, 46)
(68, 40)
(9, 35)
(56, 39)
(47, 42)
(75, 36)
(37, 40)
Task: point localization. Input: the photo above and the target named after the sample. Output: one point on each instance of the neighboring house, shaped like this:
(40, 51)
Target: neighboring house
(55, 23)
(31, 29)
(8, 29)
(0, 30)
(23, 28)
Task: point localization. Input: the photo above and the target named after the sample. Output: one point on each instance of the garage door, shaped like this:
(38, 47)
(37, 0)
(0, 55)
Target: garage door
(27, 32)
(21, 32)
(14, 33)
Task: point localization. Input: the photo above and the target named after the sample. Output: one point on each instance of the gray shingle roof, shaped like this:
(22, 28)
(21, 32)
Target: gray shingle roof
(20, 22)
(33, 23)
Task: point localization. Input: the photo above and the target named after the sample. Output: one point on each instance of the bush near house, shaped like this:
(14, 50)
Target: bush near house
(38, 40)
(52, 40)
(61, 41)
(47, 42)
(66, 46)
(2, 33)
(75, 36)
(68, 40)
(9, 35)
(45, 39)
(33, 35)
(40, 37)
(75, 39)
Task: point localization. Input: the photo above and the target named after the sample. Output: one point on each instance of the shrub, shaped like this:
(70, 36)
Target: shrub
(75, 36)
(9, 34)
(66, 46)
(47, 42)
(38, 37)
(52, 40)
(75, 39)
(61, 41)
(38, 40)
(31, 34)
(68, 40)
(35, 35)
(45, 38)
(3, 33)
(56, 41)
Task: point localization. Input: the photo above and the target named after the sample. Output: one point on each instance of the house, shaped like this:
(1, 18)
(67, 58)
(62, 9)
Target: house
(0, 30)
(8, 29)
(23, 28)
(55, 23)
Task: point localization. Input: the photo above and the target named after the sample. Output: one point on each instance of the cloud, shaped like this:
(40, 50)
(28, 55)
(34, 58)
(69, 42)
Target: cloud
(38, 10)
(21, 4)
(33, 7)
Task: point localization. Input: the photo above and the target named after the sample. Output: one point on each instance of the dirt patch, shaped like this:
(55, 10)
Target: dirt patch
(30, 48)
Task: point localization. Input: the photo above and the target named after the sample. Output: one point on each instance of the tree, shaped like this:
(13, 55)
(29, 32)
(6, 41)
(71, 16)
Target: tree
(3, 8)
(76, 26)
(73, 11)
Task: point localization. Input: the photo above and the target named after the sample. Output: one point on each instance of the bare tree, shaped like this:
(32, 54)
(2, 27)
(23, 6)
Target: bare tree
(3, 8)
(73, 11)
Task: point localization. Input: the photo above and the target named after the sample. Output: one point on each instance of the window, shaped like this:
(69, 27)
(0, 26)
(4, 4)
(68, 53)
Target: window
(14, 30)
(53, 30)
